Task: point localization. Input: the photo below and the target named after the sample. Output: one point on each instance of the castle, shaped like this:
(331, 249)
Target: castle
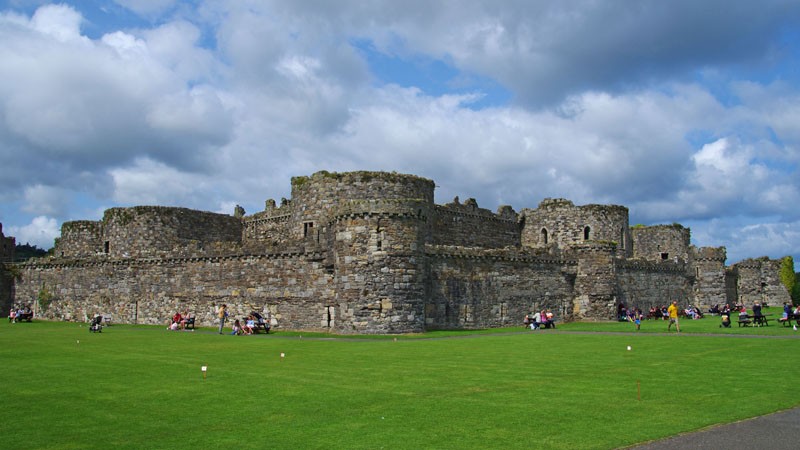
(370, 252)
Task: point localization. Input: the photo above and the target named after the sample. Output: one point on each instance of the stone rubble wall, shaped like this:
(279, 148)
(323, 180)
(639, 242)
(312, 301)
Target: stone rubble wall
(759, 281)
(643, 284)
(474, 288)
(470, 226)
(288, 288)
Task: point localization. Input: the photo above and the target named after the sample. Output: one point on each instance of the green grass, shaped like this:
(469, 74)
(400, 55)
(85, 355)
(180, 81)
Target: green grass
(141, 387)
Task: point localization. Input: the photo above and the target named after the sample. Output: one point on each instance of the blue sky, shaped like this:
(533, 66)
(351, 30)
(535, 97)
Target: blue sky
(682, 111)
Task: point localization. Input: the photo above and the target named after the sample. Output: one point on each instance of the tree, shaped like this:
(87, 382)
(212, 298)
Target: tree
(789, 278)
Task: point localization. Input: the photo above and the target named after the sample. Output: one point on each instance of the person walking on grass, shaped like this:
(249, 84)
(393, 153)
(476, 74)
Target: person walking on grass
(672, 311)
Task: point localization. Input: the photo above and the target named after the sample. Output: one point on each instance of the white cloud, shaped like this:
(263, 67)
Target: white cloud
(41, 232)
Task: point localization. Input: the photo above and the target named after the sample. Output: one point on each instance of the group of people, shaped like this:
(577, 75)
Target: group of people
(179, 321)
(543, 319)
(245, 326)
(20, 313)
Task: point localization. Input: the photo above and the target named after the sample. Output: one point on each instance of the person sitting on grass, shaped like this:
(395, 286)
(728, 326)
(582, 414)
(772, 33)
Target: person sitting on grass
(237, 328)
(726, 321)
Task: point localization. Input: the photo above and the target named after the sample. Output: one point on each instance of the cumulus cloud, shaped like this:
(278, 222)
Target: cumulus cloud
(41, 232)
(213, 104)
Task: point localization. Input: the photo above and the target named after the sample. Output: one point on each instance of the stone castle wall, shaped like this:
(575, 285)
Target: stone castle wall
(290, 289)
(643, 284)
(467, 225)
(7, 250)
(472, 288)
(758, 280)
(367, 252)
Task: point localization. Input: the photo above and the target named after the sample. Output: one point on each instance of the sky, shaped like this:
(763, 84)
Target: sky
(683, 111)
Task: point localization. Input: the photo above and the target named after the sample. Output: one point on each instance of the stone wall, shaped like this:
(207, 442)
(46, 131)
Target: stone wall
(643, 284)
(288, 288)
(7, 249)
(472, 288)
(759, 281)
(467, 225)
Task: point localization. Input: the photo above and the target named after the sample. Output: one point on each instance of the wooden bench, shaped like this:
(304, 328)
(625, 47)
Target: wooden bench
(188, 323)
(745, 322)
(27, 317)
(107, 319)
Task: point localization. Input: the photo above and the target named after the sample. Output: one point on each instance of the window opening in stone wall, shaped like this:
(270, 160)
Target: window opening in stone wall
(664, 256)
(308, 228)
(697, 272)
(106, 247)
(622, 238)
(379, 232)
(544, 236)
(586, 231)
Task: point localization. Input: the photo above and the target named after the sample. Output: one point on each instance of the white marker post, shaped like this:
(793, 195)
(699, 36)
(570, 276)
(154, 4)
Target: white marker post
(282, 356)
(204, 369)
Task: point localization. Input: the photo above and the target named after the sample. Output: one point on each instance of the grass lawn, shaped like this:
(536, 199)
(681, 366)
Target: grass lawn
(141, 386)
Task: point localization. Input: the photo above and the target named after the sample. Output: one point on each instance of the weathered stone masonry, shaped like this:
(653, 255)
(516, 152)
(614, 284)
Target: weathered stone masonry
(370, 252)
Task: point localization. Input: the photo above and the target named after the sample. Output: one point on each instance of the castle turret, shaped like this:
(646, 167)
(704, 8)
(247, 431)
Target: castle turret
(559, 223)
(377, 224)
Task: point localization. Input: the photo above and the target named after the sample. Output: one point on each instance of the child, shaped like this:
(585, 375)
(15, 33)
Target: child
(237, 328)
(638, 321)
(12, 316)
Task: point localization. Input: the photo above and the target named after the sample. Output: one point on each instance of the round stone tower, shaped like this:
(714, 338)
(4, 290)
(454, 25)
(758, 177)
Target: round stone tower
(559, 223)
(376, 225)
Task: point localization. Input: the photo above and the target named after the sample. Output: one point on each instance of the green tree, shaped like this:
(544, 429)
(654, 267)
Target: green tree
(789, 278)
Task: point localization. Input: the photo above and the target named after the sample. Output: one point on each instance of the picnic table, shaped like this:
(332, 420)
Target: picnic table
(749, 320)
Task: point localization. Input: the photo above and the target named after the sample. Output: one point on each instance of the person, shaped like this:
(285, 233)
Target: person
(249, 324)
(223, 314)
(726, 321)
(757, 309)
(237, 328)
(638, 321)
(12, 316)
(526, 321)
(177, 320)
(672, 312)
(173, 326)
(537, 317)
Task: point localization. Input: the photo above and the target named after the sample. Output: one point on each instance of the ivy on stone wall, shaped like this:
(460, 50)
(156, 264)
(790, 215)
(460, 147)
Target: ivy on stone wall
(45, 298)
